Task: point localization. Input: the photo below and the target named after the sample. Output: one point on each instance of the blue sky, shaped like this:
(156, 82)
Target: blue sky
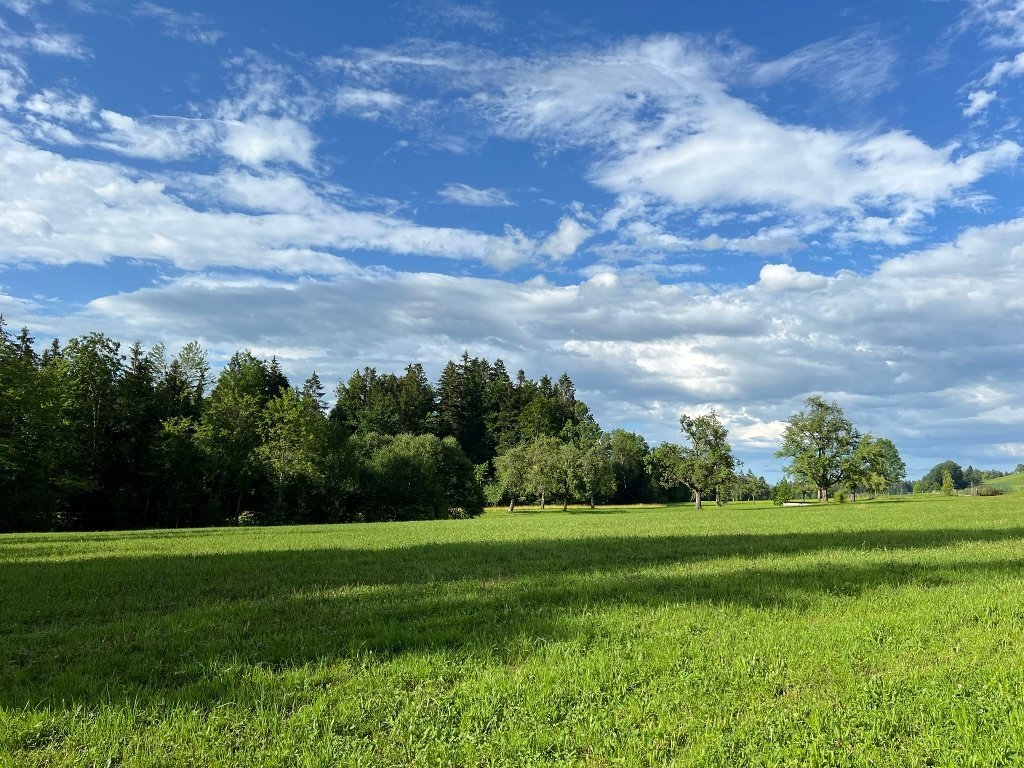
(686, 206)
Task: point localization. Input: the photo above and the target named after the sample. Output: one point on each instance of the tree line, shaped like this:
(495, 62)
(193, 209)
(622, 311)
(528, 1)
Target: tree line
(96, 437)
(93, 437)
(827, 454)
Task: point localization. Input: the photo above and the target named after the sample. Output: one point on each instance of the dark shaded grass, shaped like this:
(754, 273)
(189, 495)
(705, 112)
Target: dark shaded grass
(107, 628)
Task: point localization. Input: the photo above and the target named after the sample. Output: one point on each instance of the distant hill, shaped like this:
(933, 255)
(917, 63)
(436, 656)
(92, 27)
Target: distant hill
(1008, 482)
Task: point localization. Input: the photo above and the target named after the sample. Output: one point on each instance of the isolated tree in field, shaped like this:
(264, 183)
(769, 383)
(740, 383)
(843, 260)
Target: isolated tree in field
(947, 483)
(819, 443)
(707, 463)
(783, 492)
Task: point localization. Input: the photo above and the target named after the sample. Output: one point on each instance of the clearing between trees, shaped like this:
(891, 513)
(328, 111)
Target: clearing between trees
(885, 633)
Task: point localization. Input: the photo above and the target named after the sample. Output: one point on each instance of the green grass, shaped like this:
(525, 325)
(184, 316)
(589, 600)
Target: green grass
(888, 633)
(1007, 482)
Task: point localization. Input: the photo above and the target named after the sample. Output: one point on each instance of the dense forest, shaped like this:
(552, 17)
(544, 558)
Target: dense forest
(96, 437)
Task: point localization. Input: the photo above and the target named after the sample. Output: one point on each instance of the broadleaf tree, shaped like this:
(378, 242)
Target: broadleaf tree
(819, 442)
(707, 463)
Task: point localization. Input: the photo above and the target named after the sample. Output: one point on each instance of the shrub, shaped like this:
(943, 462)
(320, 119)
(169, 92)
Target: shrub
(990, 490)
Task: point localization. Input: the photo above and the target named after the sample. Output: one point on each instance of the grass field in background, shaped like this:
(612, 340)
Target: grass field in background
(886, 633)
(1007, 482)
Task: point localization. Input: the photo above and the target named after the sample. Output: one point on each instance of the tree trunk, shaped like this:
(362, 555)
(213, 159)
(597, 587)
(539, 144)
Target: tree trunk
(542, 499)
(512, 505)
(591, 501)
(565, 502)
(696, 500)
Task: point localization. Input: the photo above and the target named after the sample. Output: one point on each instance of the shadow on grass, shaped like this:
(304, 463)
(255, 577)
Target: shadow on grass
(157, 628)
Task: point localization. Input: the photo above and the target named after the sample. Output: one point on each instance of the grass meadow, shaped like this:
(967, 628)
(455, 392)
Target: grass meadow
(884, 633)
(1007, 482)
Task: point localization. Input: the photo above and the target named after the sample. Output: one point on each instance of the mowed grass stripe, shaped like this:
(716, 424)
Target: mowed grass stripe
(885, 633)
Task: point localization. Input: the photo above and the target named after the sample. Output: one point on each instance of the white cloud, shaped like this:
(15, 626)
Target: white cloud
(1005, 68)
(646, 237)
(783, 277)
(193, 27)
(22, 7)
(665, 133)
(158, 138)
(463, 194)
(367, 102)
(12, 80)
(44, 41)
(81, 211)
(468, 15)
(567, 237)
(65, 107)
(263, 139)
(857, 66)
(1003, 19)
(978, 101)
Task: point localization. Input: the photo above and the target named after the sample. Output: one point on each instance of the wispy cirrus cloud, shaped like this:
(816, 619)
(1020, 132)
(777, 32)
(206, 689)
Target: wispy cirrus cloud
(23, 7)
(463, 194)
(194, 27)
(43, 40)
(1002, 21)
(857, 66)
(367, 102)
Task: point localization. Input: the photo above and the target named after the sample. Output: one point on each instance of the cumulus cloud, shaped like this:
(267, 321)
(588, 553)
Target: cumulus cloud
(66, 107)
(567, 237)
(1005, 68)
(158, 138)
(463, 194)
(263, 139)
(783, 277)
(978, 101)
